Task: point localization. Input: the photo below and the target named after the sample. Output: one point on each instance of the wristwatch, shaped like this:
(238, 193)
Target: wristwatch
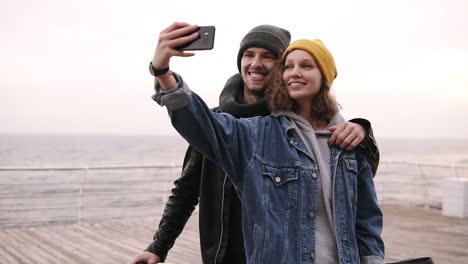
(157, 72)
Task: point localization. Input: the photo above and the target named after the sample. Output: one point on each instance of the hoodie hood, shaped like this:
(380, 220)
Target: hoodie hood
(303, 124)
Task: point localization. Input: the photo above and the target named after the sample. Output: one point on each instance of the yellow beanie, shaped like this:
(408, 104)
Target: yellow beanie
(321, 54)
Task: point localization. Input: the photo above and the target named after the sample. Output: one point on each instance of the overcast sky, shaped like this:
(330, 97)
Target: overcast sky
(81, 66)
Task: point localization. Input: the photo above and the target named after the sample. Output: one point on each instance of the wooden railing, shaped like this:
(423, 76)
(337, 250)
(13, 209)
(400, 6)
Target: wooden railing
(415, 183)
(33, 196)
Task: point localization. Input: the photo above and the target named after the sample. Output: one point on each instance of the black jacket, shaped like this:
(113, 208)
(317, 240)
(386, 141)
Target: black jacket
(205, 183)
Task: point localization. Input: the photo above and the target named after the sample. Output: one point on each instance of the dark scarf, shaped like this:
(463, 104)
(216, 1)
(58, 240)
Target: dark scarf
(229, 100)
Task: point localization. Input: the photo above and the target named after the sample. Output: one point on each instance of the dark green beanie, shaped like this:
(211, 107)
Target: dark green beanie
(272, 38)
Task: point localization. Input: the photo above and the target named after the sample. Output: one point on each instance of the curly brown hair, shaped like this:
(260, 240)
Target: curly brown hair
(324, 104)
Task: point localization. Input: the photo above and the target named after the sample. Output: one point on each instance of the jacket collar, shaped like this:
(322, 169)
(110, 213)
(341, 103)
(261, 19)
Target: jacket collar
(288, 128)
(228, 100)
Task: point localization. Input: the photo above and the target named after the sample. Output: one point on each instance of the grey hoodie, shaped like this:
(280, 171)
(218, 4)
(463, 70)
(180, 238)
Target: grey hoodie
(316, 143)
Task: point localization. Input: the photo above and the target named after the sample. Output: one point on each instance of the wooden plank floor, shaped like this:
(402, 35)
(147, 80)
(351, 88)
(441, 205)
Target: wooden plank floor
(415, 231)
(408, 232)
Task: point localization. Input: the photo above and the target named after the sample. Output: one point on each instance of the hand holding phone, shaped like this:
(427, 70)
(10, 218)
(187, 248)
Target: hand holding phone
(205, 41)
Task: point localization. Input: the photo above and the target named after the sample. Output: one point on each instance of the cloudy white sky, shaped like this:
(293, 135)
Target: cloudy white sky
(81, 66)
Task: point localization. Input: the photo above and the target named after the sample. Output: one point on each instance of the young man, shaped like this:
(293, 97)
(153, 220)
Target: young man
(205, 183)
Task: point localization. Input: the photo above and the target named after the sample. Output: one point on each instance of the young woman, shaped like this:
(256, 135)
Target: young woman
(303, 200)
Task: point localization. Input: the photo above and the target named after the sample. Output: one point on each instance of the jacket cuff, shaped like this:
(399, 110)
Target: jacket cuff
(368, 145)
(371, 260)
(175, 98)
(157, 250)
(366, 125)
(361, 121)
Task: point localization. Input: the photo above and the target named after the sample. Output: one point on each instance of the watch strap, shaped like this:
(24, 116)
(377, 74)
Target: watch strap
(157, 72)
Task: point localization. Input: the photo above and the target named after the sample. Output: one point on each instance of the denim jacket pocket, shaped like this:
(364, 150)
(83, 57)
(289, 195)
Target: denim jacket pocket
(281, 184)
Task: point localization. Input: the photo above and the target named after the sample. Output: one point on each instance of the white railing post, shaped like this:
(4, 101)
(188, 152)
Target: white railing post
(425, 185)
(83, 175)
(455, 197)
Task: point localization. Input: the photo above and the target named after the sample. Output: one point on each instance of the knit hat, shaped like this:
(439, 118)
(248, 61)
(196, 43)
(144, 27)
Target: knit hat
(272, 38)
(321, 54)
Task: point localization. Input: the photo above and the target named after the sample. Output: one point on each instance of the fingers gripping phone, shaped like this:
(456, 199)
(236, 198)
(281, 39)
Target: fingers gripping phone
(205, 41)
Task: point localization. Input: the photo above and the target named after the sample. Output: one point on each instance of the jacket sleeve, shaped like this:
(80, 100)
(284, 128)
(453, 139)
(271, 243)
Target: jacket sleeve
(179, 207)
(368, 145)
(220, 137)
(369, 218)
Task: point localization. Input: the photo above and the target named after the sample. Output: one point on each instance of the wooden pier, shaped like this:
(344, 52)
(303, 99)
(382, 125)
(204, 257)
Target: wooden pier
(408, 232)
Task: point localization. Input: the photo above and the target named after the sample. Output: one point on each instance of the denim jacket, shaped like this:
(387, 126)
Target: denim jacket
(277, 183)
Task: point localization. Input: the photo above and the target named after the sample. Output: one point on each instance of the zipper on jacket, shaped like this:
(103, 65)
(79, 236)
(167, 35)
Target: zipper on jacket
(222, 223)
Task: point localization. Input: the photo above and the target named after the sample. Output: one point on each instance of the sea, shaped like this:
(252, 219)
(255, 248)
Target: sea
(62, 150)
(73, 150)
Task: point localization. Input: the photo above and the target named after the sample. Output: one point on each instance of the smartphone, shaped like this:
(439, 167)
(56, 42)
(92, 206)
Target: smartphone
(205, 41)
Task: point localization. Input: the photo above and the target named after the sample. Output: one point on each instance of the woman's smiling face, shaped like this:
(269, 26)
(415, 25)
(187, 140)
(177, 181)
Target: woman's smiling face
(301, 76)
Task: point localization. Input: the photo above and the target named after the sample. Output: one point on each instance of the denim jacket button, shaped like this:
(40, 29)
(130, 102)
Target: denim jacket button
(277, 179)
(312, 255)
(311, 214)
(314, 175)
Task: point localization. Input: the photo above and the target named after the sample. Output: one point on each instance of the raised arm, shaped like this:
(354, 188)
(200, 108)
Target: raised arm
(220, 137)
